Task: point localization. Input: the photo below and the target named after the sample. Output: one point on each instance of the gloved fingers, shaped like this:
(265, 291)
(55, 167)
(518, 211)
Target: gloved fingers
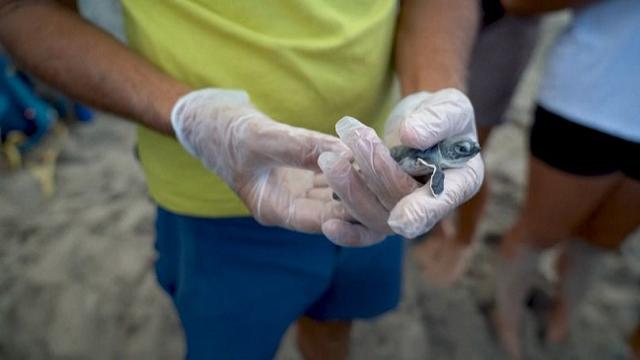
(335, 210)
(286, 197)
(353, 192)
(348, 234)
(419, 211)
(308, 215)
(300, 214)
(397, 116)
(416, 213)
(320, 180)
(285, 145)
(463, 182)
(378, 169)
(444, 114)
(324, 193)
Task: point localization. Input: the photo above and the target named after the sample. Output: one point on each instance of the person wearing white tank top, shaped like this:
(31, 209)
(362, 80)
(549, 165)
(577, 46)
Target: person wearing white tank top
(583, 191)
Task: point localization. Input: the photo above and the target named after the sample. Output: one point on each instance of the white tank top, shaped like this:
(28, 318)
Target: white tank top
(593, 73)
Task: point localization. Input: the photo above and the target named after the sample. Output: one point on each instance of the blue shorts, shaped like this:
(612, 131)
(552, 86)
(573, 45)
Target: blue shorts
(238, 285)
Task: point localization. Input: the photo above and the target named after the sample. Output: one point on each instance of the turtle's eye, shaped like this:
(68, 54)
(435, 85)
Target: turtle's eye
(462, 148)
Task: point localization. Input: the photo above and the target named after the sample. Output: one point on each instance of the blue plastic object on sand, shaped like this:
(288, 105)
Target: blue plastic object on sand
(23, 111)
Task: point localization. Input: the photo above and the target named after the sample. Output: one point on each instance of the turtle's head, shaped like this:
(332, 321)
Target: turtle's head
(457, 151)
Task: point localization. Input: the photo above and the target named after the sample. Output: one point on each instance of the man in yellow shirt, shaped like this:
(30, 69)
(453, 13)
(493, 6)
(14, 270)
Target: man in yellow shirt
(244, 202)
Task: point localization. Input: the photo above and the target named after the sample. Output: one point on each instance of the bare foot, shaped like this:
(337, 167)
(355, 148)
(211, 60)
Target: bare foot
(441, 256)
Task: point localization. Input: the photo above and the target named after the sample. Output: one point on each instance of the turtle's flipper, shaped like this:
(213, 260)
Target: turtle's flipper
(436, 183)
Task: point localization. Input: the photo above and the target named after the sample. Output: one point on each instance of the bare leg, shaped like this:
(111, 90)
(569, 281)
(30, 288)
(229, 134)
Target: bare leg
(607, 228)
(635, 343)
(323, 340)
(616, 218)
(556, 205)
(444, 254)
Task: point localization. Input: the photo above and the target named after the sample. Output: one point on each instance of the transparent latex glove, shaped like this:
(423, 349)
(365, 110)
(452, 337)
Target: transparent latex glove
(379, 194)
(271, 166)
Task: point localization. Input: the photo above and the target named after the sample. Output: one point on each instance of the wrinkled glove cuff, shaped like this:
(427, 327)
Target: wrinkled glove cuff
(176, 123)
(210, 97)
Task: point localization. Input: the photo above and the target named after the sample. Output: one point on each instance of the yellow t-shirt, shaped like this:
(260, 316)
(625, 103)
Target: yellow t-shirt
(303, 62)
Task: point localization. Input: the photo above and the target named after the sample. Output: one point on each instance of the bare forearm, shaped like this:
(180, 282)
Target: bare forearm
(532, 7)
(433, 43)
(59, 47)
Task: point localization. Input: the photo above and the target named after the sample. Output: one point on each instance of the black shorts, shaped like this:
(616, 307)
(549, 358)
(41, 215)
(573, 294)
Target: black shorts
(580, 150)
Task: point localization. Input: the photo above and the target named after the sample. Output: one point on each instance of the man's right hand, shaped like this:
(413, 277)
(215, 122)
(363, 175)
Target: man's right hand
(271, 166)
(380, 195)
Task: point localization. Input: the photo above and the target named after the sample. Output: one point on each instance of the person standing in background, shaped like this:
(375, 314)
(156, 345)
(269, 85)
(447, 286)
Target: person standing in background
(584, 176)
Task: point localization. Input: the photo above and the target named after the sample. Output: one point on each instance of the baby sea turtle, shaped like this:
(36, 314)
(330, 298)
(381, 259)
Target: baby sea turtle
(449, 153)
(428, 164)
